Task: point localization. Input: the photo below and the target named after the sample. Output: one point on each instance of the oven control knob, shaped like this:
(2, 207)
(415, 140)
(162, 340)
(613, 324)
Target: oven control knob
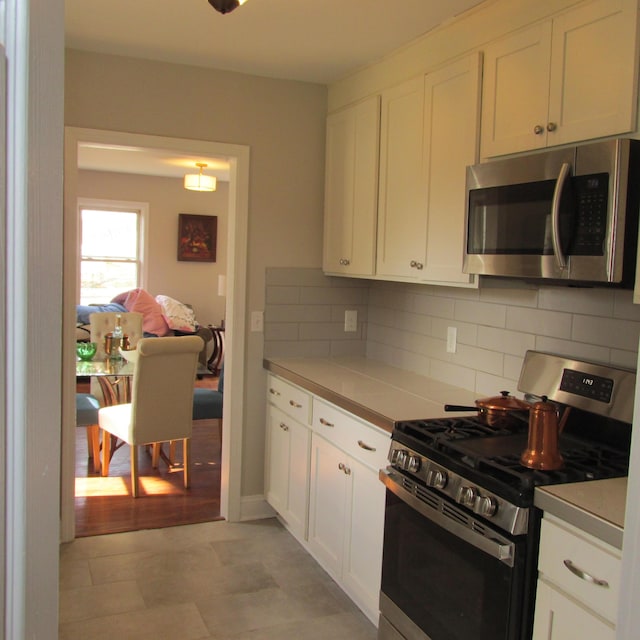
(413, 464)
(467, 496)
(437, 478)
(401, 458)
(486, 506)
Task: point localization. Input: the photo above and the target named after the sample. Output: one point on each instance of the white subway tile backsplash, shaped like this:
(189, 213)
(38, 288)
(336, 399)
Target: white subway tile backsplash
(492, 315)
(405, 325)
(609, 332)
(595, 302)
(505, 340)
(580, 350)
(539, 322)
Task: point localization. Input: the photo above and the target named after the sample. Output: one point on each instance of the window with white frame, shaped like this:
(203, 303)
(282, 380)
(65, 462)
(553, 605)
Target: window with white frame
(110, 251)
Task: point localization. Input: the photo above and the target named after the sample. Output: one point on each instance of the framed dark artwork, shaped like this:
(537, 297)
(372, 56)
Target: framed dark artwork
(197, 237)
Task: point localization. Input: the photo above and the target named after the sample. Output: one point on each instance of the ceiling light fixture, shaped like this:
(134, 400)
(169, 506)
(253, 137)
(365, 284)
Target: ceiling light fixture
(198, 181)
(226, 6)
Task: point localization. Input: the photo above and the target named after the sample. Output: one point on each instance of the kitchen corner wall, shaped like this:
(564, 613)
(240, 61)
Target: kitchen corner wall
(405, 325)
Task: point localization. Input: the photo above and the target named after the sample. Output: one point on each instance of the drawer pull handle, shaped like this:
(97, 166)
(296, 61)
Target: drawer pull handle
(284, 427)
(273, 392)
(365, 446)
(326, 423)
(584, 575)
(295, 404)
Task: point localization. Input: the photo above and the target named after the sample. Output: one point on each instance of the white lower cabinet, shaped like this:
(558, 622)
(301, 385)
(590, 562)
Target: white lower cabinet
(287, 469)
(346, 522)
(322, 479)
(578, 585)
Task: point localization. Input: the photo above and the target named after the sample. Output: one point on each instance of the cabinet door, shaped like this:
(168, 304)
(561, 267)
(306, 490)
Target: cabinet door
(287, 470)
(451, 122)
(351, 189)
(593, 72)
(558, 617)
(327, 505)
(402, 211)
(515, 92)
(362, 566)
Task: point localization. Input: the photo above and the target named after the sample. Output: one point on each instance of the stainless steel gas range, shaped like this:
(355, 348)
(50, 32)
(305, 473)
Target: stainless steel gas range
(461, 532)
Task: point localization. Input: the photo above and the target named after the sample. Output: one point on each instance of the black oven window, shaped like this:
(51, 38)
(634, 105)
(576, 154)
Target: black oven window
(447, 587)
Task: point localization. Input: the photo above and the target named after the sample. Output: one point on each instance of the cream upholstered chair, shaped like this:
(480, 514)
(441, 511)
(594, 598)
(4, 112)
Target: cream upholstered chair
(103, 322)
(161, 401)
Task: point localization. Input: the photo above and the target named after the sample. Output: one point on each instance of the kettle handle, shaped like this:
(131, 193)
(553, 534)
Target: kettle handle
(563, 419)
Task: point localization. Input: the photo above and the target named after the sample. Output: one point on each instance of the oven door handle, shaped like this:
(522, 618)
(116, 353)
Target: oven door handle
(502, 551)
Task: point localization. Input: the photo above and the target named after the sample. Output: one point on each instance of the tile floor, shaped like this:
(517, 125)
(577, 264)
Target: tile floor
(210, 581)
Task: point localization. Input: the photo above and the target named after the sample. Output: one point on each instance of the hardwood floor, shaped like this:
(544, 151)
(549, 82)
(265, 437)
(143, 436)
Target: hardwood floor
(105, 505)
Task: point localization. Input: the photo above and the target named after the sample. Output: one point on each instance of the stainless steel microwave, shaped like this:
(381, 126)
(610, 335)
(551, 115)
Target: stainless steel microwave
(569, 215)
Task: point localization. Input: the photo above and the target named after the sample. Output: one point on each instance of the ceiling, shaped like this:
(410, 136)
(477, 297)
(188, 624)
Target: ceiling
(317, 41)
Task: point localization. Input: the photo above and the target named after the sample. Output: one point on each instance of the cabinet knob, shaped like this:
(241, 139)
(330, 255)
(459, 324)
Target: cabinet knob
(284, 427)
(538, 129)
(552, 126)
(345, 262)
(416, 265)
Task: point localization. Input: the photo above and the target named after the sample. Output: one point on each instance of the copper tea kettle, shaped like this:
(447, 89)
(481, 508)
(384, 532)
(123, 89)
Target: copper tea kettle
(545, 426)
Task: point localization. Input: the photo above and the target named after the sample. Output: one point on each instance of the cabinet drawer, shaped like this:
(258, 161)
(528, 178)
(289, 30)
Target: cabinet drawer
(294, 401)
(358, 439)
(560, 544)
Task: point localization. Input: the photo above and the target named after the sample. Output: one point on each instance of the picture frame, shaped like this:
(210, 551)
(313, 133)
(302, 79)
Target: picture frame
(197, 237)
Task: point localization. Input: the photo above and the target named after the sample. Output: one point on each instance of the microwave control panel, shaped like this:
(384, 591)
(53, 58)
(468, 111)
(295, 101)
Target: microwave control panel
(591, 194)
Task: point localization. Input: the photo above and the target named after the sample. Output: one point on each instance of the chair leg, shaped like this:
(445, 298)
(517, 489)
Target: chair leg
(134, 471)
(172, 452)
(93, 444)
(106, 453)
(186, 454)
(156, 450)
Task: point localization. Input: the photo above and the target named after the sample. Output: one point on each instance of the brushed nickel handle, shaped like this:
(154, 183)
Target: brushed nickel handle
(326, 423)
(345, 262)
(295, 405)
(584, 575)
(347, 470)
(365, 446)
(341, 466)
(284, 427)
(552, 126)
(416, 265)
(538, 129)
(273, 392)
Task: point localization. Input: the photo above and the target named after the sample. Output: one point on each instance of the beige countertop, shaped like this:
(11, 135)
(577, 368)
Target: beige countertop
(371, 390)
(596, 507)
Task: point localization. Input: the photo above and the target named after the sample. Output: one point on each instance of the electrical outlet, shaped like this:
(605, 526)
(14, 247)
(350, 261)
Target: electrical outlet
(351, 320)
(452, 335)
(257, 321)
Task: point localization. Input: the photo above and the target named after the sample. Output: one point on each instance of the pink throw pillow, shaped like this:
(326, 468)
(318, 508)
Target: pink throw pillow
(143, 302)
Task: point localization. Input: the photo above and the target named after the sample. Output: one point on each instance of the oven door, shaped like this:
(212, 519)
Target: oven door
(445, 574)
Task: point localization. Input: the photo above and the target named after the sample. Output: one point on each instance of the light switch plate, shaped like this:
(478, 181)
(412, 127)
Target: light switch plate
(351, 320)
(257, 321)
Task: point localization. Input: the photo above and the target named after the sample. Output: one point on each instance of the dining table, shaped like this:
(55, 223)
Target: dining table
(113, 374)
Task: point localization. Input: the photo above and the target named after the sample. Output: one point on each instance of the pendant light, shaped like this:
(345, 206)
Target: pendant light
(226, 6)
(198, 181)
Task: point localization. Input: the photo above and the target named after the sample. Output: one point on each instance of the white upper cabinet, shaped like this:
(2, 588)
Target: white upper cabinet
(564, 80)
(451, 126)
(429, 135)
(351, 189)
(402, 219)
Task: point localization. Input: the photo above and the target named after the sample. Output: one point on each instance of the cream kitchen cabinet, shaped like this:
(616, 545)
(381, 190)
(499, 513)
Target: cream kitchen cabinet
(346, 503)
(351, 189)
(429, 134)
(287, 454)
(578, 584)
(564, 80)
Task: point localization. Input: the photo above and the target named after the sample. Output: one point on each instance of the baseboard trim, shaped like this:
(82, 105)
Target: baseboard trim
(255, 508)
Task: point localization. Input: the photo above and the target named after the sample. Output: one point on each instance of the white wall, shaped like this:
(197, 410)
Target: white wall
(195, 283)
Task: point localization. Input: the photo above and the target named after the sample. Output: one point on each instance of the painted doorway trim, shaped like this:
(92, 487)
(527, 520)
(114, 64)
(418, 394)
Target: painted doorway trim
(235, 334)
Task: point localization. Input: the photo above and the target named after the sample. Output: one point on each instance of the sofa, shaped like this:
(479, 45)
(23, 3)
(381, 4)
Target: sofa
(161, 316)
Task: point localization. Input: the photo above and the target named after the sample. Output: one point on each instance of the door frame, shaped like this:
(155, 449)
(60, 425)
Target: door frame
(235, 334)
